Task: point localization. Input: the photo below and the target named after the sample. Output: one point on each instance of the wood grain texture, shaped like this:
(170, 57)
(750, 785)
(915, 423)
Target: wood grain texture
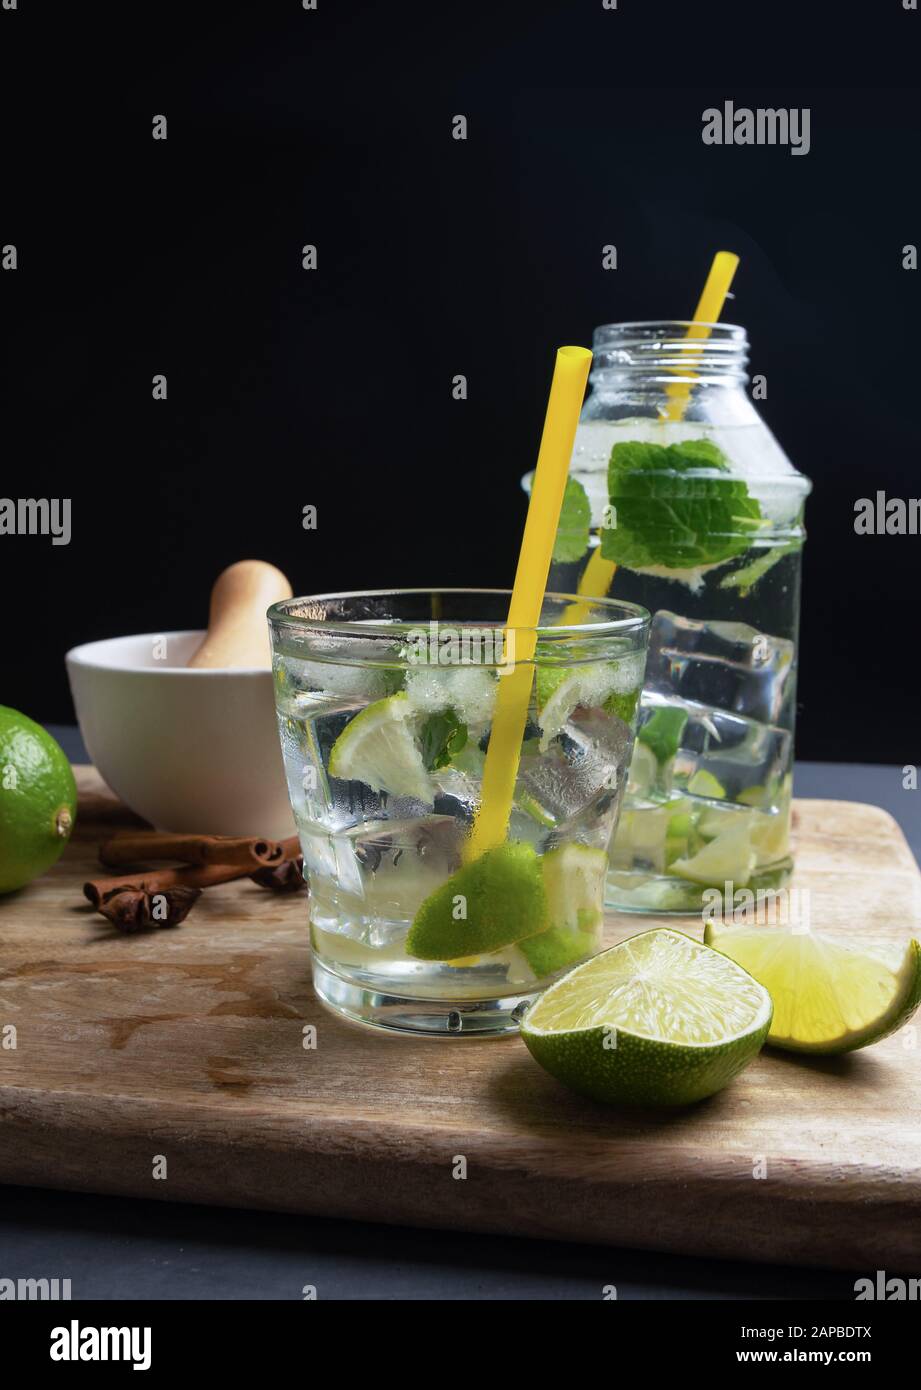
(188, 1043)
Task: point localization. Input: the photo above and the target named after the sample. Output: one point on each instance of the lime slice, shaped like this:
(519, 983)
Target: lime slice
(771, 835)
(658, 1020)
(830, 994)
(378, 747)
(641, 835)
(703, 783)
(644, 770)
(498, 899)
(561, 689)
(574, 881)
(682, 838)
(730, 856)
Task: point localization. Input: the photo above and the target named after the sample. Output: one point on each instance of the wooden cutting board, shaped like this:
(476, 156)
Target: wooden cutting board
(188, 1044)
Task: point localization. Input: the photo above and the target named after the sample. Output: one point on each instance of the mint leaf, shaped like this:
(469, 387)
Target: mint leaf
(662, 732)
(575, 520)
(442, 736)
(667, 517)
(623, 705)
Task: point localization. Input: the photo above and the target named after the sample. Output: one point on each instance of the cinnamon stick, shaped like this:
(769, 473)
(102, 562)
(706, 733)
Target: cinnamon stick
(141, 846)
(97, 890)
(164, 897)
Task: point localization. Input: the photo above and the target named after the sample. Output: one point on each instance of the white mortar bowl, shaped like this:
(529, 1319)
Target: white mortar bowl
(189, 750)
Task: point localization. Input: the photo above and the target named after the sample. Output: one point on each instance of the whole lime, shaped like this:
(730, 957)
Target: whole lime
(38, 800)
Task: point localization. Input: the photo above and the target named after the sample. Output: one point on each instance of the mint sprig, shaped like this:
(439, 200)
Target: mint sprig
(442, 736)
(575, 521)
(668, 515)
(663, 730)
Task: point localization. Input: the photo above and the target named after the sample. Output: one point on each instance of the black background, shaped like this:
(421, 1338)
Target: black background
(436, 257)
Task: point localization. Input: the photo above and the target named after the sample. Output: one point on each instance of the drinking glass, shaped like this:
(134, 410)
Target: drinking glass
(385, 703)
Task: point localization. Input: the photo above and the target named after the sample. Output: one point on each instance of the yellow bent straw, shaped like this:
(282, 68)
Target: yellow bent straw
(500, 769)
(598, 573)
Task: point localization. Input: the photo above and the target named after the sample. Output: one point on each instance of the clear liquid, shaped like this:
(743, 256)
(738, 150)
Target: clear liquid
(373, 857)
(715, 817)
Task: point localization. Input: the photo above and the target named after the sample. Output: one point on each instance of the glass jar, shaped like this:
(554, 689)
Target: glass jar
(697, 515)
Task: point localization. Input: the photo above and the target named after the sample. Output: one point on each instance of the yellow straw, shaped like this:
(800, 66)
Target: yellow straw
(500, 769)
(707, 313)
(598, 573)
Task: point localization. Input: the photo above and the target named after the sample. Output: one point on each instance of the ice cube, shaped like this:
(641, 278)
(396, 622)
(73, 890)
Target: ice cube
(729, 666)
(470, 690)
(723, 756)
(340, 675)
(578, 781)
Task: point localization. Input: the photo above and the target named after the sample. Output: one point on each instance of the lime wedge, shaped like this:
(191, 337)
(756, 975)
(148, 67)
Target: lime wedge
(596, 684)
(641, 835)
(830, 994)
(644, 770)
(771, 835)
(703, 783)
(378, 747)
(731, 855)
(496, 900)
(574, 881)
(658, 1020)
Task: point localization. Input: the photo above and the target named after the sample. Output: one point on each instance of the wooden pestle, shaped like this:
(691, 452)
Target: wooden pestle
(238, 634)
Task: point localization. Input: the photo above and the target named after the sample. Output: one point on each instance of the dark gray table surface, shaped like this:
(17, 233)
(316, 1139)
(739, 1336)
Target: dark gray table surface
(113, 1248)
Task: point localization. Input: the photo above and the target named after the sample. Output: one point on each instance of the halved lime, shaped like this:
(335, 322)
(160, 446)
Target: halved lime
(658, 1020)
(830, 994)
(574, 877)
(378, 747)
(498, 899)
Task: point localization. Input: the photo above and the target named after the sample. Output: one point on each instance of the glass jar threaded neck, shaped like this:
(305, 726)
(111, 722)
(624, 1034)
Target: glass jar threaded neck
(667, 351)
